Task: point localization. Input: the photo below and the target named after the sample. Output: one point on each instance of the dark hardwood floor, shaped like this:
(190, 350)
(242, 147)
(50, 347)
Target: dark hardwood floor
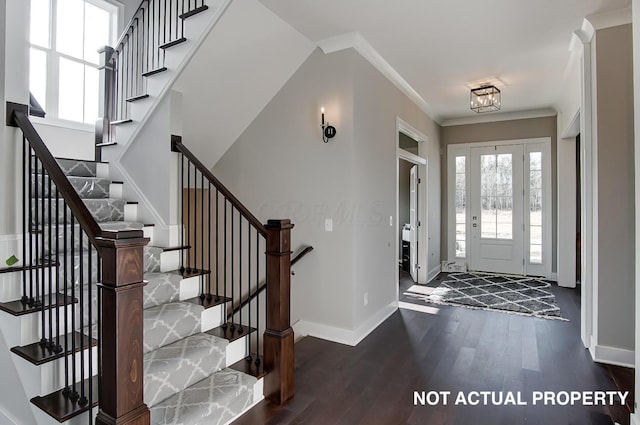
(457, 349)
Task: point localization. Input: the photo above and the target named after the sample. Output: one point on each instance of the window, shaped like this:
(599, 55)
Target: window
(535, 207)
(496, 196)
(461, 207)
(65, 36)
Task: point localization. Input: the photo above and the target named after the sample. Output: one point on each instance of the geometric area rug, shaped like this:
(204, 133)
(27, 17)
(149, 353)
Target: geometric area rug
(524, 295)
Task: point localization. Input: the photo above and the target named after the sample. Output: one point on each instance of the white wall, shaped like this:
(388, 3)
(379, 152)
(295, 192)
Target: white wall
(281, 169)
(67, 142)
(636, 114)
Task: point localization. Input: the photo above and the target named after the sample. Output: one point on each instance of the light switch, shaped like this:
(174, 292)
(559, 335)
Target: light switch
(328, 225)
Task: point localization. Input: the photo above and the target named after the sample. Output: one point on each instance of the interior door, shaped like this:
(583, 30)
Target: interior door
(497, 215)
(413, 222)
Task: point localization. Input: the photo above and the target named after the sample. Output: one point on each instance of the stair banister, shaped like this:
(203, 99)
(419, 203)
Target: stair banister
(278, 353)
(120, 340)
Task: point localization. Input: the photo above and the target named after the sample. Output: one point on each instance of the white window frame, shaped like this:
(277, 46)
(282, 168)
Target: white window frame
(53, 64)
(541, 144)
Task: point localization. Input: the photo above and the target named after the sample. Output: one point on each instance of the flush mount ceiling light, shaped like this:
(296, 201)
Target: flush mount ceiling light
(486, 98)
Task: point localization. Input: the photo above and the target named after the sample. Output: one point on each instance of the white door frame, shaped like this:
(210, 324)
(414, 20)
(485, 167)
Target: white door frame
(459, 149)
(422, 236)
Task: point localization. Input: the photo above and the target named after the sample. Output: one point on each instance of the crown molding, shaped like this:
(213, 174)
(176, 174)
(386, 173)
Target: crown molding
(356, 41)
(505, 116)
(610, 19)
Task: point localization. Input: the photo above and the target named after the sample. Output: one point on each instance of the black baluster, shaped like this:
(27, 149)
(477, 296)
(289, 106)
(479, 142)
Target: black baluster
(164, 39)
(74, 393)
(184, 251)
(257, 300)
(99, 323)
(89, 330)
(202, 276)
(249, 299)
(26, 175)
(209, 296)
(81, 281)
(41, 257)
(233, 267)
(67, 388)
(224, 264)
(32, 179)
(188, 229)
(50, 342)
(58, 348)
(217, 249)
(240, 328)
(36, 301)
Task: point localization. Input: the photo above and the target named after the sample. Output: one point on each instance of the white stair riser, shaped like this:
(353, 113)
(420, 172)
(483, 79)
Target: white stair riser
(131, 212)
(189, 288)
(115, 190)
(237, 350)
(102, 170)
(211, 318)
(170, 260)
(30, 325)
(49, 377)
(148, 232)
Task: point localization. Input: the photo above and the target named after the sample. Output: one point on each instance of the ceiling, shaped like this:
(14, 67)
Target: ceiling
(441, 47)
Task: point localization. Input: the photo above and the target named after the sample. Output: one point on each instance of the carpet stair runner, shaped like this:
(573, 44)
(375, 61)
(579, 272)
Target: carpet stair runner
(186, 375)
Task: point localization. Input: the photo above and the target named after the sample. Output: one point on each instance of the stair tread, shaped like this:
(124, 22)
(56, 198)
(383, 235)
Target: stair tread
(173, 43)
(193, 12)
(161, 288)
(174, 367)
(18, 308)
(167, 323)
(36, 354)
(231, 331)
(60, 407)
(207, 302)
(87, 186)
(220, 397)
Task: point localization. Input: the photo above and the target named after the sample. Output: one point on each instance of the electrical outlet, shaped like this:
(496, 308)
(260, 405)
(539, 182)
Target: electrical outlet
(328, 225)
(366, 298)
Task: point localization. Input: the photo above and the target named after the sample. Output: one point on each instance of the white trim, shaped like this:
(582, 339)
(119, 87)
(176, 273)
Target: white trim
(610, 19)
(57, 122)
(573, 127)
(356, 41)
(341, 335)
(423, 211)
(5, 420)
(433, 273)
(614, 356)
(411, 157)
(504, 116)
(634, 419)
(554, 277)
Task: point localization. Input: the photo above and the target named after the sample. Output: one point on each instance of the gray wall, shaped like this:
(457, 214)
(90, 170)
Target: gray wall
(280, 168)
(616, 226)
(494, 131)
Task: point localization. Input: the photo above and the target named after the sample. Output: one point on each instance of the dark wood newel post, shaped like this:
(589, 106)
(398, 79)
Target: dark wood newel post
(121, 344)
(278, 335)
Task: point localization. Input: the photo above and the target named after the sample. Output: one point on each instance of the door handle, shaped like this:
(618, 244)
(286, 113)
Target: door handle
(475, 224)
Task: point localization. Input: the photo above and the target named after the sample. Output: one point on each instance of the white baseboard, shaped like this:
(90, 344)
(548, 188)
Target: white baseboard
(554, 277)
(341, 335)
(433, 273)
(613, 355)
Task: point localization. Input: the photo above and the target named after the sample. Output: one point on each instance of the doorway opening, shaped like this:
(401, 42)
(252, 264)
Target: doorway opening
(411, 204)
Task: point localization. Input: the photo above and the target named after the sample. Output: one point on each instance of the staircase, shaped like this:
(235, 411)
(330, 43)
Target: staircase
(188, 374)
(107, 322)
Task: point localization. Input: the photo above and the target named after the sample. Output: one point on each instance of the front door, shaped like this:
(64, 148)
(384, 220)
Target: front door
(497, 215)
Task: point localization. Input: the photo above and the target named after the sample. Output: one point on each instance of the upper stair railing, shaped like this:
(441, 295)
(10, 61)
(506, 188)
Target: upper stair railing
(237, 253)
(139, 53)
(70, 262)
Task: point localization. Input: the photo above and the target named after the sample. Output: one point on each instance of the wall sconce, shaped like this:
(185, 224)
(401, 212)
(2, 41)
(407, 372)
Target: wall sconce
(328, 131)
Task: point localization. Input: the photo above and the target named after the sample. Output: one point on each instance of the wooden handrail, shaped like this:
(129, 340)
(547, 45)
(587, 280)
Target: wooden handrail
(177, 146)
(301, 254)
(18, 117)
